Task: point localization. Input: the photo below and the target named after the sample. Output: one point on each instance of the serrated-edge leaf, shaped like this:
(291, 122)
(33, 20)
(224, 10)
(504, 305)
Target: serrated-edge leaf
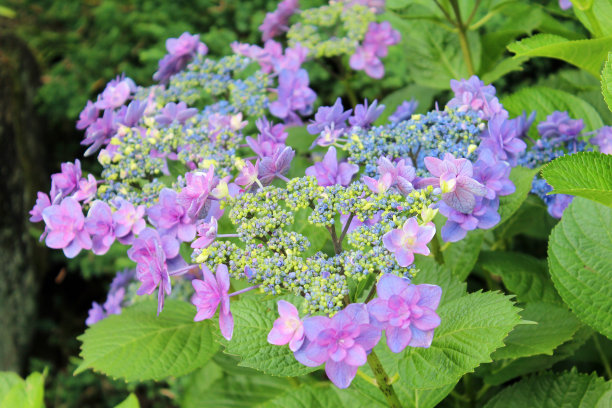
(606, 81)
(522, 177)
(472, 327)
(579, 255)
(130, 402)
(525, 276)
(585, 54)
(584, 174)
(317, 395)
(554, 325)
(253, 319)
(137, 345)
(565, 390)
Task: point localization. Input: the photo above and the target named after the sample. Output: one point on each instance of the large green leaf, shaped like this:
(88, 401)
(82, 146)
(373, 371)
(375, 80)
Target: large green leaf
(130, 402)
(566, 390)
(16, 392)
(524, 275)
(434, 274)
(522, 178)
(584, 174)
(137, 345)
(472, 327)
(545, 100)
(461, 256)
(222, 384)
(501, 371)
(317, 395)
(606, 81)
(253, 320)
(586, 54)
(580, 259)
(555, 325)
(598, 22)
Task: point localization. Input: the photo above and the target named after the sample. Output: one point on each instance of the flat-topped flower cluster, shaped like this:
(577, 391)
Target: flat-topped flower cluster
(195, 180)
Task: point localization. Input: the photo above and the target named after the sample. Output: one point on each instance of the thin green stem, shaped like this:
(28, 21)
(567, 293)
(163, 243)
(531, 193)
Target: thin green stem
(334, 237)
(473, 13)
(446, 14)
(382, 381)
(436, 250)
(462, 31)
(604, 358)
(346, 227)
(481, 392)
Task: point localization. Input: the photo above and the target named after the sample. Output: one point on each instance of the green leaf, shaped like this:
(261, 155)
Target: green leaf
(555, 325)
(434, 274)
(545, 100)
(137, 345)
(597, 19)
(472, 327)
(586, 54)
(580, 260)
(16, 392)
(461, 256)
(606, 81)
(220, 383)
(522, 178)
(522, 274)
(130, 402)
(531, 219)
(317, 236)
(299, 138)
(565, 390)
(317, 395)
(584, 174)
(501, 371)
(253, 320)
(8, 379)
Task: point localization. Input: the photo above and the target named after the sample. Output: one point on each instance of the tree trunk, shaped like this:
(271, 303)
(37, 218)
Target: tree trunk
(22, 260)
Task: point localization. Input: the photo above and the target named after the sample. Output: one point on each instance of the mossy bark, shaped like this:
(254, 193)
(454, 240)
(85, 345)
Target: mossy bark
(21, 173)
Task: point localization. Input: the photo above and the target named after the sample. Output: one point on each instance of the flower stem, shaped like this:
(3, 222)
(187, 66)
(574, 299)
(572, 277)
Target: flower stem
(462, 31)
(346, 227)
(602, 355)
(337, 244)
(183, 270)
(228, 236)
(595, 27)
(240, 292)
(382, 381)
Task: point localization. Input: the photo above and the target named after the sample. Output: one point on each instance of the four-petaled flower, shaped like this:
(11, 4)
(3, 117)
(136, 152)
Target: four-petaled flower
(406, 312)
(341, 342)
(330, 172)
(65, 227)
(288, 328)
(211, 292)
(411, 239)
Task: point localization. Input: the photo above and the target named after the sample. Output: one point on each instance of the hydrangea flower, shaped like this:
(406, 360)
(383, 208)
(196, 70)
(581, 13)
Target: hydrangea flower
(330, 172)
(175, 112)
(116, 93)
(88, 115)
(194, 195)
(341, 342)
(180, 51)
(127, 220)
(455, 178)
(99, 223)
(211, 292)
(558, 128)
(329, 116)
(411, 239)
(375, 46)
(276, 22)
(171, 217)
(473, 94)
(565, 4)
(67, 181)
(503, 138)
(404, 111)
(207, 233)
(42, 202)
(603, 140)
(248, 175)
(294, 95)
(493, 175)
(131, 115)
(402, 174)
(406, 312)
(365, 115)
(483, 216)
(87, 189)
(100, 132)
(65, 227)
(152, 268)
(275, 166)
(288, 328)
